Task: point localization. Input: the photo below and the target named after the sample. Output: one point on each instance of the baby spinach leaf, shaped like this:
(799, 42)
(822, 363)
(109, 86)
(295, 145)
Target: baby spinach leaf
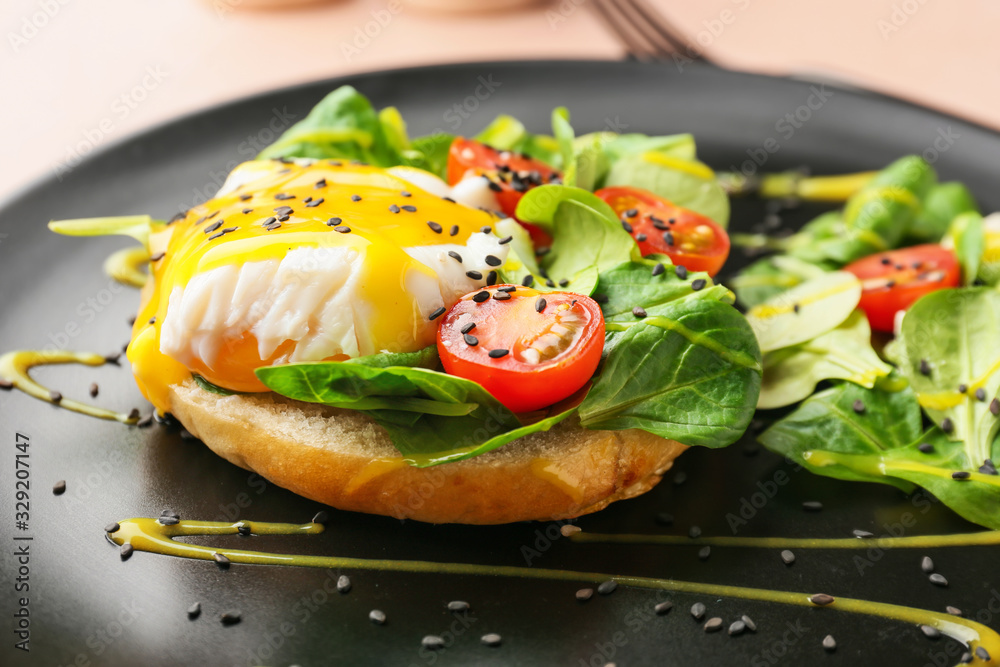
(942, 204)
(211, 388)
(425, 358)
(430, 153)
(343, 125)
(844, 353)
(805, 311)
(617, 146)
(967, 237)
(952, 333)
(633, 284)
(504, 133)
(882, 442)
(684, 181)
(588, 236)
(770, 276)
(691, 373)
(828, 428)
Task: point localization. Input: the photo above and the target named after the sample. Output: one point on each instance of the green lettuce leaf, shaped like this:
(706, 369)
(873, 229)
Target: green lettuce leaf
(343, 125)
(845, 353)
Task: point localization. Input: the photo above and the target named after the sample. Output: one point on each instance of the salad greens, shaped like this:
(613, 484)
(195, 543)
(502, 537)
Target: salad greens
(690, 370)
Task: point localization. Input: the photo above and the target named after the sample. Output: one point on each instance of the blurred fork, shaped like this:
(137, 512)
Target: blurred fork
(643, 31)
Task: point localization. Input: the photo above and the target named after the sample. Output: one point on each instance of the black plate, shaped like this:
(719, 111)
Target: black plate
(87, 607)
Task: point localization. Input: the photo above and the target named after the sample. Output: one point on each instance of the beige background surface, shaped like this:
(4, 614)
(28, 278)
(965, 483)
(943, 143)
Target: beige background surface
(83, 73)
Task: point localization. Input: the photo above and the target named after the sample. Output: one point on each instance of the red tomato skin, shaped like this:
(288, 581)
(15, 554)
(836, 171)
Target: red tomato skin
(467, 154)
(890, 288)
(714, 250)
(519, 385)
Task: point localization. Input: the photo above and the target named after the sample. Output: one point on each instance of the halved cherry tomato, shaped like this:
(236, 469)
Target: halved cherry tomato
(510, 174)
(892, 281)
(690, 239)
(528, 348)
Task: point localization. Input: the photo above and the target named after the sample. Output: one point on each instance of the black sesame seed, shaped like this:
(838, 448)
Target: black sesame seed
(6, 384)
(704, 553)
(698, 610)
(404, 193)
(962, 388)
(479, 297)
(269, 221)
(541, 252)
(393, 208)
(146, 421)
(540, 304)
(314, 203)
(491, 639)
(448, 199)
(217, 235)
(409, 208)
(829, 643)
(981, 394)
(501, 296)
(947, 425)
(126, 551)
(437, 313)
(498, 353)
(152, 320)
(194, 611)
(927, 564)
(787, 557)
(640, 237)
(283, 210)
(343, 584)
(663, 608)
(243, 529)
(505, 240)
(737, 628)
(961, 474)
(157, 257)
(221, 559)
(926, 447)
(713, 624)
(862, 534)
(995, 407)
(321, 183)
(455, 256)
(168, 520)
(694, 532)
(858, 406)
(698, 284)
(432, 642)
(982, 654)
(355, 197)
(658, 223)
(627, 227)
(59, 487)
(55, 396)
(491, 278)
(453, 231)
(475, 275)
(658, 269)
(507, 288)
(281, 196)
(529, 280)
(564, 282)
(668, 238)
(470, 339)
(681, 272)
(938, 580)
(274, 225)
(493, 260)
(925, 367)
(343, 229)
(435, 227)
(821, 599)
(377, 616)
(133, 414)
(550, 283)
(468, 327)
(495, 187)
(639, 312)
(665, 519)
(584, 594)
(231, 618)
(112, 528)
(812, 506)
(988, 468)
(212, 227)
(607, 587)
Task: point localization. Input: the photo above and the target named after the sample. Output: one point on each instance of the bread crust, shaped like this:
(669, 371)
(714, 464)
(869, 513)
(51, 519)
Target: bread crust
(343, 459)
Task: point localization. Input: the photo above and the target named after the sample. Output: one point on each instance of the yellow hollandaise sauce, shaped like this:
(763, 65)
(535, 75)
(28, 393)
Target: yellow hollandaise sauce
(280, 206)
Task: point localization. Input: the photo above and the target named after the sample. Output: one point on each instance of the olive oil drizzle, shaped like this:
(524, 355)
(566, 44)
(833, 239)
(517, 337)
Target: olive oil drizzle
(14, 367)
(148, 535)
